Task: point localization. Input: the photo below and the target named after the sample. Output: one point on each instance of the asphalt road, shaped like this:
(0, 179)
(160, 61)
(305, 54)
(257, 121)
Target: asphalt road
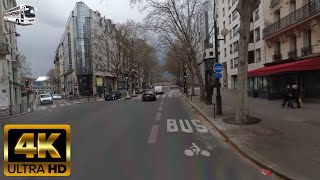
(131, 139)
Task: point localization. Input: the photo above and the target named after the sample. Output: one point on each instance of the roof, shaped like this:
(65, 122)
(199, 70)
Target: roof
(302, 65)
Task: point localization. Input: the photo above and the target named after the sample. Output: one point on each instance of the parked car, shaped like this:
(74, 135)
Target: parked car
(46, 99)
(158, 89)
(56, 97)
(149, 95)
(113, 95)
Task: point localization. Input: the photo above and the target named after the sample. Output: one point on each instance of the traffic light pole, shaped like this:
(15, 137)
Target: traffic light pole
(217, 80)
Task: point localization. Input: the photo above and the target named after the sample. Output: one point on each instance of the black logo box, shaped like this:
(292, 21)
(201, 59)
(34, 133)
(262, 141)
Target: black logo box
(60, 144)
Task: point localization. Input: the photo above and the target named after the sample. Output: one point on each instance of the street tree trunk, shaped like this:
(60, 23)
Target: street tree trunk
(198, 74)
(245, 9)
(192, 84)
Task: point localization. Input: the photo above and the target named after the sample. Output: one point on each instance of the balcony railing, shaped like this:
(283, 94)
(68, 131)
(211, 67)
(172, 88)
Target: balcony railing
(274, 2)
(277, 56)
(308, 10)
(292, 54)
(305, 51)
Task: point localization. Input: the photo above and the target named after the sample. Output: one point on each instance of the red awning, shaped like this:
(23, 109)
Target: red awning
(303, 65)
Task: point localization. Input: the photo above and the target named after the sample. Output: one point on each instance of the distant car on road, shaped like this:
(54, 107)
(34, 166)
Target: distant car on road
(158, 89)
(149, 95)
(113, 95)
(139, 90)
(46, 99)
(56, 97)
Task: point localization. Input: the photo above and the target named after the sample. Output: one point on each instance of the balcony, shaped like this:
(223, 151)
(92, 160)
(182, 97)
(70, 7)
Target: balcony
(292, 55)
(305, 51)
(277, 56)
(274, 3)
(307, 11)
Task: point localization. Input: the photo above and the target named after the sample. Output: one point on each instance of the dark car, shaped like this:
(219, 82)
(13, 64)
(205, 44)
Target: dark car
(112, 95)
(149, 95)
(139, 90)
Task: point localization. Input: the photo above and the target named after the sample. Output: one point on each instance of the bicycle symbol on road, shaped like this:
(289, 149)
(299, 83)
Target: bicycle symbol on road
(194, 149)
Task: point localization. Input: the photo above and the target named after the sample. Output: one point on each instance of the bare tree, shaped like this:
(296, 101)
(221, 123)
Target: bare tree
(245, 9)
(25, 66)
(51, 73)
(177, 20)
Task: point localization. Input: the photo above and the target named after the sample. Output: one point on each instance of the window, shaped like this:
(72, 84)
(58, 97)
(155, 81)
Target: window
(211, 53)
(231, 49)
(236, 46)
(235, 30)
(225, 52)
(258, 55)
(307, 38)
(235, 62)
(234, 15)
(257, 34)
(230, 20)
(223, 12)
(233, 2)
(224, 24)
(230, 34)
(231, 63)
(251, 37)
(229, 4)
(250, 57)
(256, 15)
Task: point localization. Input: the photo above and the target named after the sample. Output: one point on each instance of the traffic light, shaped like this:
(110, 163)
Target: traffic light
(185, 75)
(127, 77)
(27, 82)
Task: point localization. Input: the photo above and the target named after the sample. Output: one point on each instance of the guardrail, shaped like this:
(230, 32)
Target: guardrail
(6, 111)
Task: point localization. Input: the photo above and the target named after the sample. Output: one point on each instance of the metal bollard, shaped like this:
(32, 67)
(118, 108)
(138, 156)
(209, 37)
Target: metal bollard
(10, 108)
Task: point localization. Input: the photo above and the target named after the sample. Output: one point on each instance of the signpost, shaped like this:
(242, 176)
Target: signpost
(27, 88)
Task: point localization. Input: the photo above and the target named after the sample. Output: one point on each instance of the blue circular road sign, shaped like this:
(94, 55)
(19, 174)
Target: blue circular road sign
(217, 67)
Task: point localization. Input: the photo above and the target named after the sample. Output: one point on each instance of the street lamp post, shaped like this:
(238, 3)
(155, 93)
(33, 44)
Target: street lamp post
(224, 33)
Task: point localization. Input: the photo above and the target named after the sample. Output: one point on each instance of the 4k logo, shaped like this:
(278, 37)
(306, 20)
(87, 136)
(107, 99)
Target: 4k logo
(37, 150)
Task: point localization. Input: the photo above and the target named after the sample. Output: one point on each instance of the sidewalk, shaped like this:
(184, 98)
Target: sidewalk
(287, 141)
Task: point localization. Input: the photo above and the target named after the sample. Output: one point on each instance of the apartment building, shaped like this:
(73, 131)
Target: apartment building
(292, 38)
(229, 18)
(76, 57)
(10, 87)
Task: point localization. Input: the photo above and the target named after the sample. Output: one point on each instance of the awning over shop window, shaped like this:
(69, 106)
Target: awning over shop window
(303, 65)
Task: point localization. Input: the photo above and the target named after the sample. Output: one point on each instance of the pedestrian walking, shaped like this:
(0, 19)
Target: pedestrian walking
(287, 97)
(296, 95)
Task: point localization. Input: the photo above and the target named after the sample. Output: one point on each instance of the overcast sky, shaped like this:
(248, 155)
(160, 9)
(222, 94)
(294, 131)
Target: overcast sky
(38, 42)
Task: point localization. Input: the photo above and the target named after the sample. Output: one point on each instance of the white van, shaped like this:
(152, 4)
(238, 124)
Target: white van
(158, 89)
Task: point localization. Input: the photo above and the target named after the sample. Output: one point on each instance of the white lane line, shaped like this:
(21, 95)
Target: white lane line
(158, 96)
(53, 106)
(170, 96)
(158, 117)
(160, 108)
(153, 134)
(50, 110)
(62, 105)
(161, 103)
(164, 95)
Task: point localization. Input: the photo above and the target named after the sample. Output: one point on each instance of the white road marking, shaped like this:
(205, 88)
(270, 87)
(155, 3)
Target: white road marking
(42, 108)
(195, 125)
(160, 108)
(161, 103)
(158, 117)
(170, 96)
(158, 96)
(153, 134)
(53, 106)
(50, 110)
(61, 105)
(164, 96)
(185, 129)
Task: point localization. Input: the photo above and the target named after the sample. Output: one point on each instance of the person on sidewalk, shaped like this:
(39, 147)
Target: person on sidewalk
(296, 95)
(287, 97)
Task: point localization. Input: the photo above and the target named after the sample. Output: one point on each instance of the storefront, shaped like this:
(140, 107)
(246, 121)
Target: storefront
(270, 81)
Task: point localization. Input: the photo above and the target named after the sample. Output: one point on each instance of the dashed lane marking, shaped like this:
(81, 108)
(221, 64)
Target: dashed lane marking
(160, 108)
(153, 134)
(158, 96)
(158, 117)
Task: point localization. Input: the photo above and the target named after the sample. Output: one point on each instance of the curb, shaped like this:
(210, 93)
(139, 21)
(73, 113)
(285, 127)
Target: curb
(260, 164)
(16, 115)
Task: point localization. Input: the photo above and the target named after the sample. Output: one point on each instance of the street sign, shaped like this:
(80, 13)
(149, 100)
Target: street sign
(27, 88)
(217, 67)
(217, 75)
